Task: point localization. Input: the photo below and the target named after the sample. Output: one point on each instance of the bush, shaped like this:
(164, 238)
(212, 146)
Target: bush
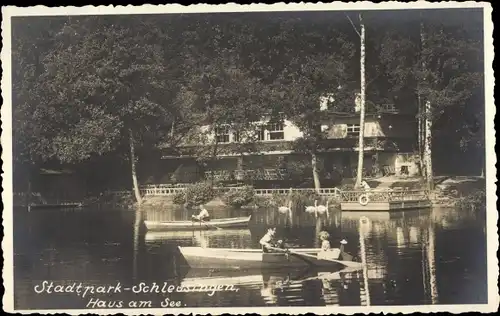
(263, 201)
(299, 199)
(199, 193)
(474, 200)
(347, 187)
(239, 197)
(179, 197)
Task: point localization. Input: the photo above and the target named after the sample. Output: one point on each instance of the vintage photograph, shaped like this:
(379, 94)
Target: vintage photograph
(333, 158)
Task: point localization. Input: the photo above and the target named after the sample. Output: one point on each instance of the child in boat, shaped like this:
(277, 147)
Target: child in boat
(326, 251)
(202, 216)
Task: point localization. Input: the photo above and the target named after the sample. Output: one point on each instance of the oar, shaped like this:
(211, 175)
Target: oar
(304, 256)
(301, 256)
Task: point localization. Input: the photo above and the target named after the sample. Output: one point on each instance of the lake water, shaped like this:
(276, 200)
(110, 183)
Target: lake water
(416, 257)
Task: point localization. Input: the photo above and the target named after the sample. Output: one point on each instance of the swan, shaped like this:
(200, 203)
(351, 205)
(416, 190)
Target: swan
(285, 209)
(312, 209)
(322, 209)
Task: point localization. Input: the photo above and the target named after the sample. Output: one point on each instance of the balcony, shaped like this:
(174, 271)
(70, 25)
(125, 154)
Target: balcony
(392, 144)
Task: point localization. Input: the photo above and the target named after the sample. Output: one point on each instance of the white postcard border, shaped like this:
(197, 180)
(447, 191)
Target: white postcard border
(490, 111)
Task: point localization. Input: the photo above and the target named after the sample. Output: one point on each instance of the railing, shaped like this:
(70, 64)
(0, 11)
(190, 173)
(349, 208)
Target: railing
(162, 190)
(325, 192)
(386, 196)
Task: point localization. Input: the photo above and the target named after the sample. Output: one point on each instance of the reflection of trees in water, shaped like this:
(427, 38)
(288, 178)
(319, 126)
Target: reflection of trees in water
(454, 218)
(271, 217)
(394, 272)
(224, 238)
(429, 265)
(181, 213)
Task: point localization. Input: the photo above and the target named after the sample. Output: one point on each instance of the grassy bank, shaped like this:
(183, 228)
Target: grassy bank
(449, 191)
(460, 192)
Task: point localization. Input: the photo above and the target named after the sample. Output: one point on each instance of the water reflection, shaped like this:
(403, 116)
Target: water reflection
(415, 257)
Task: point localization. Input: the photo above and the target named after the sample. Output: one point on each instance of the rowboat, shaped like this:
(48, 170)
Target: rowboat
(206, 225)
(245, 259)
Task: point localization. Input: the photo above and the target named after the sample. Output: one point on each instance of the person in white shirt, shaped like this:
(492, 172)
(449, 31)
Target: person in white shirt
(268, 241)
(202, 216)
(365, 185)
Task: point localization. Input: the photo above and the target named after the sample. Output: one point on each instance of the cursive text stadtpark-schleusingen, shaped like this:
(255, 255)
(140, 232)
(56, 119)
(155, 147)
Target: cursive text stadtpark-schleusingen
(50, 287)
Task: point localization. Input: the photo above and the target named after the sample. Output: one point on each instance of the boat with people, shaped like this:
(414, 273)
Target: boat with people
(232, 258)
(216, 223)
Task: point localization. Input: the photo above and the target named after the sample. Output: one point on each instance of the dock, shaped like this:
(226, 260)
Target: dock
(56, 205)
(386, 201)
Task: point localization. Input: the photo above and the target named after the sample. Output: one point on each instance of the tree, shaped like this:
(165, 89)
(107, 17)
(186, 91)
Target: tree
(219, 90)
(302, 78)
(446, 79)
(441, 65)
(31, 39)
(106, 83)
(362, 99)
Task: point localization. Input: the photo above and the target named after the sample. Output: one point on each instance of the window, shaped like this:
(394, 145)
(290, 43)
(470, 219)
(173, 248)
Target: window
(260, 133)
(276, 131)
(222, 134)
(352, 129)
(236, 137)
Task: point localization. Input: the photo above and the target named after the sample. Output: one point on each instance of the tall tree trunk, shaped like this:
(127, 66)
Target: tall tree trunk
(482, 166)
(135, 183)
(29, 193)
(314, 164)
(359, 175)
(421, 135)
(421, 111)
(427, 154)
(136, 230)
(172, 131)
(213, 159)
(428, 147)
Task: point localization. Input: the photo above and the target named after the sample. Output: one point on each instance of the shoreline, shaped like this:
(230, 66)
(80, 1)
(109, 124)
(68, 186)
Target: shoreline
(448, 192)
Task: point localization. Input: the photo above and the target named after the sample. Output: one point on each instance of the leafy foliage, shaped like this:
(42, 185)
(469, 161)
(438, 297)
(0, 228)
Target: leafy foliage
(475, 200)
(179, 197)
(441, 64)
(199, 193)
(80, 83)
(239, 197)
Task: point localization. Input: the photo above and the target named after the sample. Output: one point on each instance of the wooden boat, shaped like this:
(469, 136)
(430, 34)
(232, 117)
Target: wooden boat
(190, 225)
(246, 259)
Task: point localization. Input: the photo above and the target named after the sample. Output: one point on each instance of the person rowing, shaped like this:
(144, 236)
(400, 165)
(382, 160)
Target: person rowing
(203, 216)
(269, 240)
